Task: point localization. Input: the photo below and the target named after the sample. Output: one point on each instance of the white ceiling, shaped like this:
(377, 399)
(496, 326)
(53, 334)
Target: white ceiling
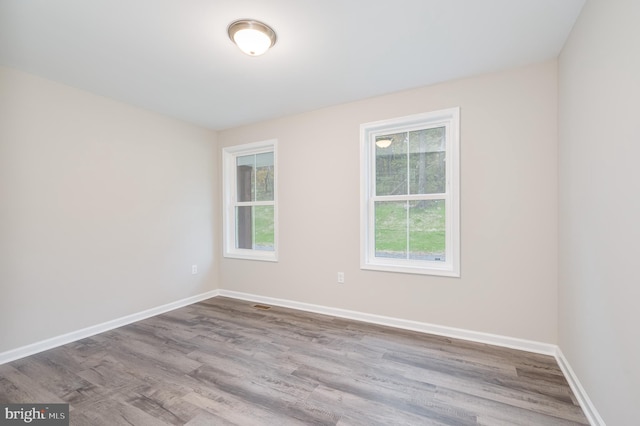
(174, 56)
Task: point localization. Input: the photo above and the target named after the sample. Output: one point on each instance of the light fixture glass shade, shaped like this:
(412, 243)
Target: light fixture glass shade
(383, 142)
(252, 37)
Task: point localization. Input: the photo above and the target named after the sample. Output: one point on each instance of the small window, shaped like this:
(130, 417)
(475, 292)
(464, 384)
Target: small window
(410, 194)
(250, 211)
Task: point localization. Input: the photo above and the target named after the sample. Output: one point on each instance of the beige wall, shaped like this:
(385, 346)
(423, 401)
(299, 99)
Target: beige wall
(509, 209)
(599, 287)
(103, 209)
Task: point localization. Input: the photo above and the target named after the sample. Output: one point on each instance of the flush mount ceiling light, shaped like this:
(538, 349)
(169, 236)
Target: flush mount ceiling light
(252, 37)
(383, 142)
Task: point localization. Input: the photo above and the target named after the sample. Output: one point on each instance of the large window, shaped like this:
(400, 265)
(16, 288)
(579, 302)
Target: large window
(250, 211)
(410, 194)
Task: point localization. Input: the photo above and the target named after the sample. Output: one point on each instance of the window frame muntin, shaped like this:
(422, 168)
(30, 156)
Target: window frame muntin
(230, 202)
(448, 118)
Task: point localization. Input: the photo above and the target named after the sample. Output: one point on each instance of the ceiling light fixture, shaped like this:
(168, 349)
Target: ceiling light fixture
(252, 37)
(383, 142)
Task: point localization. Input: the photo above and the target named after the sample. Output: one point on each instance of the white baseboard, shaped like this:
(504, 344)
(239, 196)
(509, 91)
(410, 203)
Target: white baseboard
(456, 333)
(587, 406)
(53, 342)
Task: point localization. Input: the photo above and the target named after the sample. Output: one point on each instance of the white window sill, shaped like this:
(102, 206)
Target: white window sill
(444, 271)
(252, 255)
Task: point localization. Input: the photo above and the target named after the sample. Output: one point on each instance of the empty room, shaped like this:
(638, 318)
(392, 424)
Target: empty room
(417, 212)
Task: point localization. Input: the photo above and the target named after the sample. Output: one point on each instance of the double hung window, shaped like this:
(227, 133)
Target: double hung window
(250, 212)
(410, 194)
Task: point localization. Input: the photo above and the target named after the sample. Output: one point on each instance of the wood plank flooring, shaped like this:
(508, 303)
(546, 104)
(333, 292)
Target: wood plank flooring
(226, 362)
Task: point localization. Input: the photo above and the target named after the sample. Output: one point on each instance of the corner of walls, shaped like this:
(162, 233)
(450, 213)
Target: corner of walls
(598, 207)
(585, 402)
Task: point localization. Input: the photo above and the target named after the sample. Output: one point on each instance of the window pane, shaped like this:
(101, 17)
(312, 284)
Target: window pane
(427, 161)
(391, 229)
(264, 228)
(255, 228)
(255, 177)
(244, 227)
(264, 177)
(391, 164)
(427, 230)
(245, 166)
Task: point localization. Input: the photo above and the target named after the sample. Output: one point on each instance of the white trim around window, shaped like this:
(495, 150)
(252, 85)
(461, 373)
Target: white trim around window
(245, 212)
(399, 195)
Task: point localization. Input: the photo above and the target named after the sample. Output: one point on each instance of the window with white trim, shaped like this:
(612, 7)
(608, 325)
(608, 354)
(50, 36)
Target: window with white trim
(250, 201)
(410, 194)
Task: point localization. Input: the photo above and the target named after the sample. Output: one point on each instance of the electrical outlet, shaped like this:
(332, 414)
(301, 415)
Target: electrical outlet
(340, 277)
(194, 269)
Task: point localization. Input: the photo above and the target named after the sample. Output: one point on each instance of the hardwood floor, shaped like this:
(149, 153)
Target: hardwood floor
(226, 362)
